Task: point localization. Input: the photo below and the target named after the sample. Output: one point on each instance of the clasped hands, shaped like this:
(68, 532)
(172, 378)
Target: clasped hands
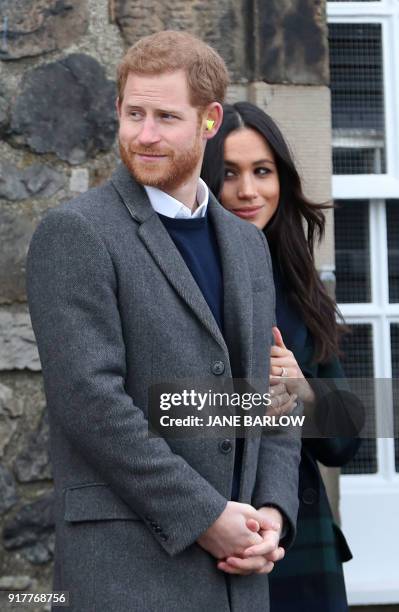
(245, 540)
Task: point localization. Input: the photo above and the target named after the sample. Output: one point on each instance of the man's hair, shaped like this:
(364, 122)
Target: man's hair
(168, 51)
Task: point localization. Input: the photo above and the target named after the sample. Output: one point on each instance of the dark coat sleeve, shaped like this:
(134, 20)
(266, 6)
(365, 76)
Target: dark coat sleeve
(338, 411)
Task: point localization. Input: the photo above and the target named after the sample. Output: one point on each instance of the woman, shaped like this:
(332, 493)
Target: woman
(249, 168)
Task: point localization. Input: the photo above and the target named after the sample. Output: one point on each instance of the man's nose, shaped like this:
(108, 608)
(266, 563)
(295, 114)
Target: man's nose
(148, 134)
(247, 188)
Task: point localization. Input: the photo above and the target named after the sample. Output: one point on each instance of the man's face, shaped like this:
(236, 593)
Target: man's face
(160, 137)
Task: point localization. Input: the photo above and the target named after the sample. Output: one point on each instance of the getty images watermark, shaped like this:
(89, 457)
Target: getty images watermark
(357, 407)
(202, 408)
(201, 402)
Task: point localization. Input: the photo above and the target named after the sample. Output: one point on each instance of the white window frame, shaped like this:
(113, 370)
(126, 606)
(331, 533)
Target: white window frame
(371, 499)
(386, 13)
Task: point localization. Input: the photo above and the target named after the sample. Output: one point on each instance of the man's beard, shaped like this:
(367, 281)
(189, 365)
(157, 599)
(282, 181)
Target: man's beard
(167, 175)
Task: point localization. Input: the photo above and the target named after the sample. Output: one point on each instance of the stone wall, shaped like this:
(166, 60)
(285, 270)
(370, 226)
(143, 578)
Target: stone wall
(58, 127)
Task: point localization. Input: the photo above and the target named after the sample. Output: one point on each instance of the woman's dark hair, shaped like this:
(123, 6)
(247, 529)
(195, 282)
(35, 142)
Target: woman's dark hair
(291, 245)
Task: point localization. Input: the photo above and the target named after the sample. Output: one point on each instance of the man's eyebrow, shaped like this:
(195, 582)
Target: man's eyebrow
(228, 162)
(168, 111)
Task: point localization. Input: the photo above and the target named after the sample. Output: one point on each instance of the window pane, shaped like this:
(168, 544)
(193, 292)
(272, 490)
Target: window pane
(395, 375)
(357, 361)
(352, 251)
(392, 209)
(357, 98)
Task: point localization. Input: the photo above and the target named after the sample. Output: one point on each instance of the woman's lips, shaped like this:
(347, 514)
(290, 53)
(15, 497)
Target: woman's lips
(246, 213)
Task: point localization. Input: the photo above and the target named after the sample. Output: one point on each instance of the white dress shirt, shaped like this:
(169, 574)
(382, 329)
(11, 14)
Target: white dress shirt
(164, 204)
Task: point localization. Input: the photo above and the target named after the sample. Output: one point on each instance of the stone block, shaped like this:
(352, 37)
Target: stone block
(66, 108)
(4, 113)
(15, 583)
(290, 42)
(35, 180)
(279, 41)
(31, 530)
(18, 349)
(221, 24)
(8, 494)
(33, 462)
(10, 405)
(7, 430)
(16, 229)
(79, 181)
(6, 399)
(33, 27)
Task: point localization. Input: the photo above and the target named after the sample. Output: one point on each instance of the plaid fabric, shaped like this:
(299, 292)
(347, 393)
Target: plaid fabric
(310, 577)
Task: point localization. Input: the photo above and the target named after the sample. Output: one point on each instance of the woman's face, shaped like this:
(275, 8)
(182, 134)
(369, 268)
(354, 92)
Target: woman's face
(251, 187)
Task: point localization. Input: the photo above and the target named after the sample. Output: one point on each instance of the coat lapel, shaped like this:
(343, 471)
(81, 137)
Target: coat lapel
(165, 254)
(237, 285)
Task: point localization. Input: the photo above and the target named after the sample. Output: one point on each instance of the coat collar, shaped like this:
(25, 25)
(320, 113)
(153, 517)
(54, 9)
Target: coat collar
(236, 278)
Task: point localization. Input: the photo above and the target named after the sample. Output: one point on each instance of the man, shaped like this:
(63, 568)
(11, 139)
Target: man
(123, 293)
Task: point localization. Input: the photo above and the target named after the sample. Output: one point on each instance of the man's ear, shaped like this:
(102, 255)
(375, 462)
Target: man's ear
(212, 120)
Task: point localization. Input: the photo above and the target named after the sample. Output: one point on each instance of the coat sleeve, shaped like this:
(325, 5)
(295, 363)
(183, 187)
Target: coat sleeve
(278, 465)
(338, 411)
(72, 292)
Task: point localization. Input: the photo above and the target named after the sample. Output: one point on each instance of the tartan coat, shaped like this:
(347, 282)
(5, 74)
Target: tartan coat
(310, 577)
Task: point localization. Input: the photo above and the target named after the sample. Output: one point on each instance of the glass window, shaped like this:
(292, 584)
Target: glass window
(392, 213)
(395, 377)
(357, 98)
(357, 361)
(352, 251)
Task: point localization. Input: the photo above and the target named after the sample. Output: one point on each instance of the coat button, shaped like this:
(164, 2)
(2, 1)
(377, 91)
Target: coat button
(163, 537)
(218, 368)
(158, 529)
(309, 496)
(225, 447)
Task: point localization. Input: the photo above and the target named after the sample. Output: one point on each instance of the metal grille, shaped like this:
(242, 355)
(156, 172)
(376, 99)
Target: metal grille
(395, 375)
(357, 98)
(357, 361)
(392, 211)
(352, 251)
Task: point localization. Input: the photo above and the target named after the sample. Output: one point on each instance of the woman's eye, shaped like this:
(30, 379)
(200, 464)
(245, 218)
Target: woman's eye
(262, 171)
(228, 173)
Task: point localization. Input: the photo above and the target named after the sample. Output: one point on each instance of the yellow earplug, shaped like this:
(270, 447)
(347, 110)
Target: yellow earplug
(209, 124)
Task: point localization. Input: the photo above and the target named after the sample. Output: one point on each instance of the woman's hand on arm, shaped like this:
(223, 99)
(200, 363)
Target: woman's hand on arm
(284, 368)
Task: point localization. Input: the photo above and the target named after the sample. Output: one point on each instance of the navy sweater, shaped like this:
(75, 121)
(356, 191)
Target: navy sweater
(196, 241)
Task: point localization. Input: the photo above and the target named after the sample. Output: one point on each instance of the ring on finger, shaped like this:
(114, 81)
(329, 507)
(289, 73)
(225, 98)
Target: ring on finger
(284, 372)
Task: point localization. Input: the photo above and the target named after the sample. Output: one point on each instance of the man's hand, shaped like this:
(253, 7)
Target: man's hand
(233, 532)
(259, 558)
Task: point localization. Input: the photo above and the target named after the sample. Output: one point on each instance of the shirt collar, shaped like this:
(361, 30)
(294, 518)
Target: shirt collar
(165, 204)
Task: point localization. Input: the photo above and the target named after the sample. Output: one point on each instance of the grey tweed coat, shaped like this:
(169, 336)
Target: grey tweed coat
(113, 307)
